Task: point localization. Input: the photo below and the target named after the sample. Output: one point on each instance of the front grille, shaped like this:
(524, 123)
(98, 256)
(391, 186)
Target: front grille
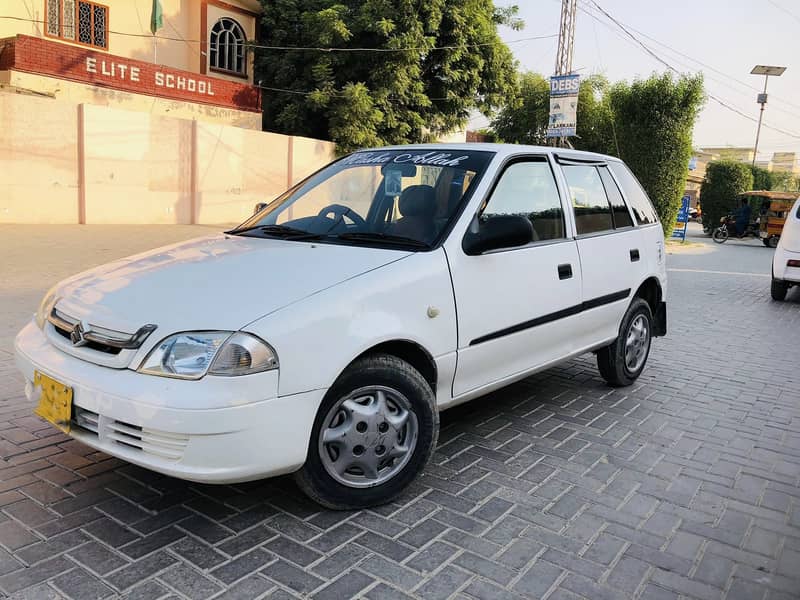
(163, 444)
(89, 344)
(100, 339)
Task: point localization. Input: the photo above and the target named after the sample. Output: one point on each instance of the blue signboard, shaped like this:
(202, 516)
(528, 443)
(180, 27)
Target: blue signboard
(563, 105)
(682, 221)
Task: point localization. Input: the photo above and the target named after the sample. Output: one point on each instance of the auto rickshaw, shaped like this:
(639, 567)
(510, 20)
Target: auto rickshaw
(772, 214)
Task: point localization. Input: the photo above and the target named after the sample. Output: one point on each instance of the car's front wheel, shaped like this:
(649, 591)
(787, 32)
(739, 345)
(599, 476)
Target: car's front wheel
(373, 434)
(623, 360)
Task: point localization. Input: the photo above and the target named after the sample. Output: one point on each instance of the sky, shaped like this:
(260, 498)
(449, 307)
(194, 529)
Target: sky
(729, 37)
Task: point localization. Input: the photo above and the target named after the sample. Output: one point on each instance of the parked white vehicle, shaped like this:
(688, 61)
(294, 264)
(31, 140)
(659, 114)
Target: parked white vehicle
(324, 335)
(786, 262)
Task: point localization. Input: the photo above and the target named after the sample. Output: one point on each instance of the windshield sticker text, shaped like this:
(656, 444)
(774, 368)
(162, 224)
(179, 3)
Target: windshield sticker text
(440, 159)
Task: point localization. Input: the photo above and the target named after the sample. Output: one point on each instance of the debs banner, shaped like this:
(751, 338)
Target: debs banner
(563, 105)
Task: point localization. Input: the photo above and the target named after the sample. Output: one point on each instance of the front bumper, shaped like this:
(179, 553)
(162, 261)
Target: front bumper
(240, 433)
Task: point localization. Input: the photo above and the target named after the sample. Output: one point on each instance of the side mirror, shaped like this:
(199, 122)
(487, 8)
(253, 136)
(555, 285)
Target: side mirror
(259, 207)
(500, 231)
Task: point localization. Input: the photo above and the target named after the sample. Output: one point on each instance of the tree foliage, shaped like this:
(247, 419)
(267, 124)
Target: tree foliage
(762, 179)
(724, 180)
(523, 118)
(367, 98)
(653, 121)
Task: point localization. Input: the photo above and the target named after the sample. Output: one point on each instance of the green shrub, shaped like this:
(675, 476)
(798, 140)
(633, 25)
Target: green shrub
(725, 179)
(653, 121)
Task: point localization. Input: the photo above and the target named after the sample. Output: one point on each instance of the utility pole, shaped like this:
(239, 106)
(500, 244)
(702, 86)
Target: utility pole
(566, 44)
(566, 37)
(766, 71)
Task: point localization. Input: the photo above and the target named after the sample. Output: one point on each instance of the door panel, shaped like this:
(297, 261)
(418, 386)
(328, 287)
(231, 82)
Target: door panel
(508, 311)
(516, 306)
(610, 250)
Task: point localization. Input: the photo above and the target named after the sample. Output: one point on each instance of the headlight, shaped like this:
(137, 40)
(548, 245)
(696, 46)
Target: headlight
(46, 307)
(191, 355)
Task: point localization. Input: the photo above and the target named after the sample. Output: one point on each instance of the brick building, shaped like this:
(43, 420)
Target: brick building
(102, 122)
(196, 66)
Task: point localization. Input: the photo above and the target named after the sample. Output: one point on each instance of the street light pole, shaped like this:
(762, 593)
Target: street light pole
(766, 71)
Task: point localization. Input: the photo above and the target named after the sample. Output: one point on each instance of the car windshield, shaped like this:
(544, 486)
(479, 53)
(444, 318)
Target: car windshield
(385, 197)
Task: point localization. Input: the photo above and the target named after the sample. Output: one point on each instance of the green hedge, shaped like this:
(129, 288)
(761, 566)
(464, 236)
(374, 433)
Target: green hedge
(724, 180)
(653, 120)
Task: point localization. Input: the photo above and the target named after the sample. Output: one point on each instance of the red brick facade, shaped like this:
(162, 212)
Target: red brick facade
(54, 59)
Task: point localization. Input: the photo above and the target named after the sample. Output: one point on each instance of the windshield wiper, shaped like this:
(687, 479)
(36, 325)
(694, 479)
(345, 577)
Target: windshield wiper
(282, 231)
(384, 238)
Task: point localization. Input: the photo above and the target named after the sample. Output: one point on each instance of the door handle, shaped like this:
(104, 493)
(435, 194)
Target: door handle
(565, 271)
(635, 255)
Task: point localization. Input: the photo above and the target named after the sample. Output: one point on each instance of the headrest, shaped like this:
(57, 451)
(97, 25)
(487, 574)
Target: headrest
(417, 201)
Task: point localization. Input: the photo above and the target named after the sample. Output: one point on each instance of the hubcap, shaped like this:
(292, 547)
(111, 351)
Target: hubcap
(637, 343)
(368, 437)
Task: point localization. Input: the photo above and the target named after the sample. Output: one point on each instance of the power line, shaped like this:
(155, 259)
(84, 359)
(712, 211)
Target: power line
(650, 52)
(786, 10)
(316, 48)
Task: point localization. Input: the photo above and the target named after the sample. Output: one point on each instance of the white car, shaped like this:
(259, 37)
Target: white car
(786, 262)
(324, 334)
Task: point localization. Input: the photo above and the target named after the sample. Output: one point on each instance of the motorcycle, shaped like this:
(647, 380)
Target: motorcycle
(728, 229)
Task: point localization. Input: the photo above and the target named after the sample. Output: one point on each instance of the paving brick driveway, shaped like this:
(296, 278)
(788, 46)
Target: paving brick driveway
(686, 485)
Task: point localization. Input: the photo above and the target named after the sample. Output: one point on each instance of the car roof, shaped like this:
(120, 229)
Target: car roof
(502, 150)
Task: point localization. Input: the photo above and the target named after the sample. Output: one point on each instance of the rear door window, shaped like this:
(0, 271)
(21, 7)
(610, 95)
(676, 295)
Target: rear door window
(589, 200)
(635, 195)
(622, 217)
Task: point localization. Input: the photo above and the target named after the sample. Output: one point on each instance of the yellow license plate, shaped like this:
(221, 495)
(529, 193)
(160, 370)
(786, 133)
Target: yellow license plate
(55, 402)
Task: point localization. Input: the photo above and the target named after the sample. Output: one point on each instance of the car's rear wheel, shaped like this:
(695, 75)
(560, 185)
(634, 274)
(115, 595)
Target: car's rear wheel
(623, 360)
(778, 290)
(374, 433)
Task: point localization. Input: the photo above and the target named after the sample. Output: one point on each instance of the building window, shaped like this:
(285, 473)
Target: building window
(226, 51)
(78, 21)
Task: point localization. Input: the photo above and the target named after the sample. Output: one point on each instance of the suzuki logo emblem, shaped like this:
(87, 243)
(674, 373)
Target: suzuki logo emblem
(78, 334)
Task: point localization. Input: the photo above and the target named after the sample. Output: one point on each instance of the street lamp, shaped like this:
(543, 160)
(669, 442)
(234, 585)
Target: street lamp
(766, 71)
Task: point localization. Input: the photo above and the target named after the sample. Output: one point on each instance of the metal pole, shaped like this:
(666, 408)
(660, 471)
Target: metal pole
(760, 117)
(566, 43)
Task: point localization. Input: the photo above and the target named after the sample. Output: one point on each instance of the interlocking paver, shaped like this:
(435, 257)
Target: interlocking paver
(685, 485)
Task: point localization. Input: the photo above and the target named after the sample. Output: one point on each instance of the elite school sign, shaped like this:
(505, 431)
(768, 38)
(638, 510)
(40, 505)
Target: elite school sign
(54, 59)
(120, 71)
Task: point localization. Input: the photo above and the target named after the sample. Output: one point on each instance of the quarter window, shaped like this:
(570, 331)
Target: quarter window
(529, 189)
(622, 217)
(589, 200)
(634, 194)
(227, 47)
(78, 21)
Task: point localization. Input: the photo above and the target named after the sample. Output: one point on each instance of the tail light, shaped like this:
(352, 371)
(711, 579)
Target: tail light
(793, 263)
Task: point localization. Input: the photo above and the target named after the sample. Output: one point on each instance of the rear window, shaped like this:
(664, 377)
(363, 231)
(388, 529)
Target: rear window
(589, 200)
(622, 218)
(638, 200)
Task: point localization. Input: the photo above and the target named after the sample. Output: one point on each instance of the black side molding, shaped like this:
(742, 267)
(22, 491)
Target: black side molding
(554, 316)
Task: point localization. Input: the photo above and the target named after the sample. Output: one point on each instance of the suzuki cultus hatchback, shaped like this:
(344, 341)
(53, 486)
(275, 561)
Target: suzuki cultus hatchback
(324, 335)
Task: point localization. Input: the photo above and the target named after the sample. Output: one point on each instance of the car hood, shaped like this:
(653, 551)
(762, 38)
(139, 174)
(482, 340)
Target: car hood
(218, 282)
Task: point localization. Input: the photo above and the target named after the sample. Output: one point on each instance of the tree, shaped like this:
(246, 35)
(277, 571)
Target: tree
(653, 121)
(439, 60)
(523, 119)
(724, 181)
(762, 179)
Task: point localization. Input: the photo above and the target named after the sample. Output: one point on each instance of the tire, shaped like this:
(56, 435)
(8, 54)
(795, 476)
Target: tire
(778, 290)
(772, 241)
(720, 235)
(611, 359)
(362, 428)
(765, 241)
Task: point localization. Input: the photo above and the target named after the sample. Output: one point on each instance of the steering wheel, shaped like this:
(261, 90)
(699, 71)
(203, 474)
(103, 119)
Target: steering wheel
(340, 211)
